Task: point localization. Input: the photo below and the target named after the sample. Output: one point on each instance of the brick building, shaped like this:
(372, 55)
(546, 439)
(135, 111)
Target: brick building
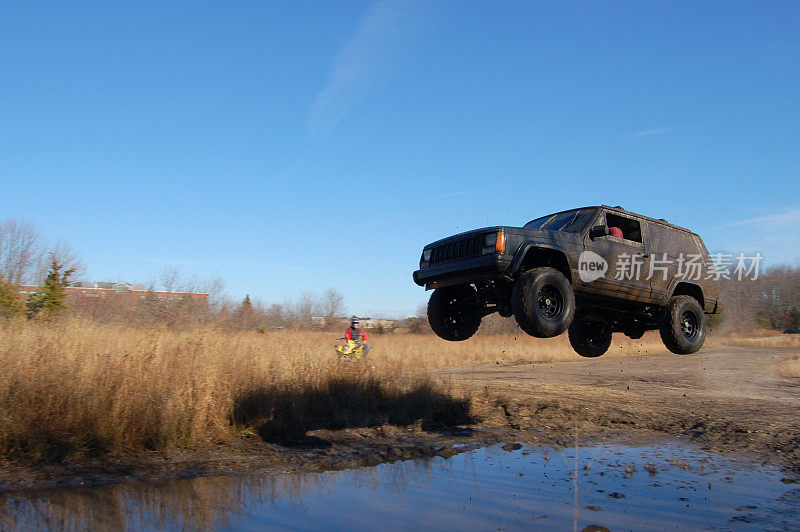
(82, 292)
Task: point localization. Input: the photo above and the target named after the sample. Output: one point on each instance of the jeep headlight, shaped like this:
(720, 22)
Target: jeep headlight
(425, 261)
(494, 243)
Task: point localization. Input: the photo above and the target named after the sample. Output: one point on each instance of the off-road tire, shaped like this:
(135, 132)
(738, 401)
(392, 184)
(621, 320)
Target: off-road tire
(543, 302)
(447, 320)
(589, 337)
(683, 326)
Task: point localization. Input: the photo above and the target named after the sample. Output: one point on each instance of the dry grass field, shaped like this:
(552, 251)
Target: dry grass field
(763, 339)
(79, 388)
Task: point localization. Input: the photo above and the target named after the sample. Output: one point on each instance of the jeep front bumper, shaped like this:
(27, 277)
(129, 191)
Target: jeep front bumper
(463, 271)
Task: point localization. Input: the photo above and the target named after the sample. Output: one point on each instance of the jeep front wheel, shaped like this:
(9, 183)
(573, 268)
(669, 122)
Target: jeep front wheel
(589, 337)
(683, 327)
(450, 315)
(543, 302)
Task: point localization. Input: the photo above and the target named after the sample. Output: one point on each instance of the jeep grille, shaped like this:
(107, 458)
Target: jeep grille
(462, 248)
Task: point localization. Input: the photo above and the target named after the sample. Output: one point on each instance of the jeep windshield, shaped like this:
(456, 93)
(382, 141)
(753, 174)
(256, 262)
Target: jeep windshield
(570, 221)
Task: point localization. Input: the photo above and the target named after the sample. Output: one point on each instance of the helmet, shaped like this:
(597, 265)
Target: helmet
(354, 321)
(615, 231)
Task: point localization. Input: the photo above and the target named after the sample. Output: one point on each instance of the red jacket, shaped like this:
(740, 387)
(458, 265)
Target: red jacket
(349, 334)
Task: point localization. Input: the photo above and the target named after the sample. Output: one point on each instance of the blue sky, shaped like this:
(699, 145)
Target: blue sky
(293, 147)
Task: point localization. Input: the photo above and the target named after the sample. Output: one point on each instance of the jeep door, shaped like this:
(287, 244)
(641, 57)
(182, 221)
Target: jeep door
(628, 263)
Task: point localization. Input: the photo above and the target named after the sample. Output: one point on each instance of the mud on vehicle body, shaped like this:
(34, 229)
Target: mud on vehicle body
(554, 275)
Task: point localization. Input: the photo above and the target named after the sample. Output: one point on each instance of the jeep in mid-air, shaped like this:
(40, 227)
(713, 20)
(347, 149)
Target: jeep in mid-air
(590, 271)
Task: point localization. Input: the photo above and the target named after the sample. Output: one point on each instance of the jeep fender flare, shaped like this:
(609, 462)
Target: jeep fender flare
(533, 254)
(679, 287)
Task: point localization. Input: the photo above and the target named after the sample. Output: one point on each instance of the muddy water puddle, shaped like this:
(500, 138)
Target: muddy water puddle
(511, 487)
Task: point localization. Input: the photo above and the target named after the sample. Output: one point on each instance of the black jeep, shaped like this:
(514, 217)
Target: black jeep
(591, 271)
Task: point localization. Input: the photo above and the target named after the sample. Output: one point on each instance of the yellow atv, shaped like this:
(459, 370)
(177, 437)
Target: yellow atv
(349, 350)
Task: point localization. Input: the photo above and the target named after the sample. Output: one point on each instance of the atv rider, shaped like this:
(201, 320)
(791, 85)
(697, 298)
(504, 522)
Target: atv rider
(358, 335)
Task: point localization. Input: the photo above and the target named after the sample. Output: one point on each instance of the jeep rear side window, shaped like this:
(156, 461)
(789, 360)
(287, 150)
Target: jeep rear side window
(631, 230)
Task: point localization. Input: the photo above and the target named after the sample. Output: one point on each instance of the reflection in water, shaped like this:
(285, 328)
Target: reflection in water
(195, 504)
(200, 503)
(618, 487)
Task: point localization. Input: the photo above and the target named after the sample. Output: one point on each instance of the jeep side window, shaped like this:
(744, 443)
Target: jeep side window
(631, 230)
(580, 221)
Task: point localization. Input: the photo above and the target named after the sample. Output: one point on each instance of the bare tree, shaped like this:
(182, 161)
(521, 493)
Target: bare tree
(62, 253)
(169, 277)
(419, 322)
(188, 285)
(274, 316)
(305, 307)
(769, 302)
(20, 250)
(214, 286)
(332, 303)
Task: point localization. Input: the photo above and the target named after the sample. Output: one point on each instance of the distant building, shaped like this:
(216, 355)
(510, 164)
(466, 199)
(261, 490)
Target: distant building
(95, 284)
(132, 293)
(319, 321)
(365, 323)
(374, 323)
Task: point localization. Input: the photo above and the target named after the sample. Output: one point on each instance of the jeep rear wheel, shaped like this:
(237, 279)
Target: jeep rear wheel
(450, 314)
(683, 327)
(589, 337)
(543, 302)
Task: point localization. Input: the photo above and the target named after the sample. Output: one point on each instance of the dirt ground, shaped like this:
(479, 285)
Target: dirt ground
(722, 398)
(725, 399)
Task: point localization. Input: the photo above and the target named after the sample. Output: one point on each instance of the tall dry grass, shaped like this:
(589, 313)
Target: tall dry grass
(77, 387)
(762, 339)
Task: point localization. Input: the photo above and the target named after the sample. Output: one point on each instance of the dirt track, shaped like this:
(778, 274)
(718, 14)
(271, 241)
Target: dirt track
(726, 398)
